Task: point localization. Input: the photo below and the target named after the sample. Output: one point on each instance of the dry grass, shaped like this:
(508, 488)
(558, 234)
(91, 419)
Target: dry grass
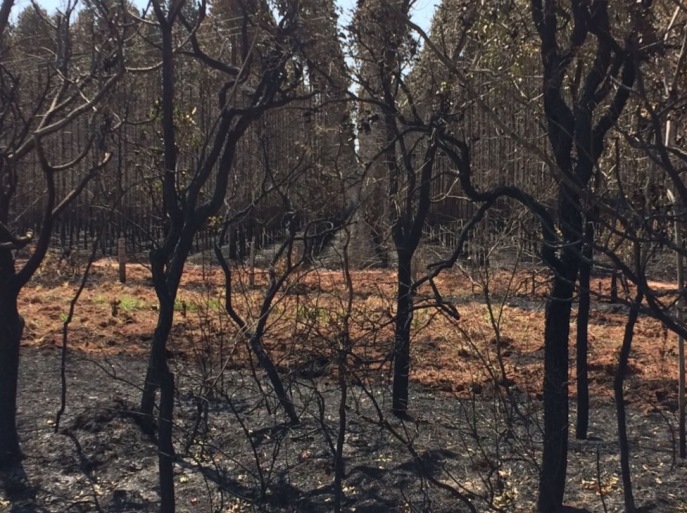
(497, 343)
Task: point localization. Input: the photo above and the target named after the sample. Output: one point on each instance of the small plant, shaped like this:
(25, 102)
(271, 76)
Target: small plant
(420, 320)
(128, 303)
(215, 304)
(311, 314)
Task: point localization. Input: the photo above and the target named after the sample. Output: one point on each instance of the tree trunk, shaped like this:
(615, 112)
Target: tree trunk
(404, 317)
(614, 287)
(273, 375)
(682, 430)
(583, 335)
(11, 328)
(618, 384)
(339, 463)
(554, 459)
(251, 261)
(255, 338)
(156, 365)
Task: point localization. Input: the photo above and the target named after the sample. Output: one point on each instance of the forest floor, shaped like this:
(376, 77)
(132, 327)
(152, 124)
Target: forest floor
(475, 426)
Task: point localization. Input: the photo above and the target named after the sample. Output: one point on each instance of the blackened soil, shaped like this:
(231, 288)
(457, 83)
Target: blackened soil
(235, 453)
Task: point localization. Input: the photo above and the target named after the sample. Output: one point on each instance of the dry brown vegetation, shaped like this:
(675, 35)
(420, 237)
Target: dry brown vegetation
(496, 343)
(476, 405)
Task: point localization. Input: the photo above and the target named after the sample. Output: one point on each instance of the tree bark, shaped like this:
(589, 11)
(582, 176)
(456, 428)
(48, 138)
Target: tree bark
(618, 384)
(11, 329)
(680, 264)
(404, 317)
(584, 305)
(266, 363)
(157, 364)
(554, 459)
(255, 338)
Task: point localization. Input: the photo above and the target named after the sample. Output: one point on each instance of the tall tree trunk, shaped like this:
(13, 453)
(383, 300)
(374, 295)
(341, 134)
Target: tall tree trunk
(582, 425)
(158, 376)
(682, 431)
(556, 358)
(555, 456)
(404, 317)
(11, 328)
(618, 384)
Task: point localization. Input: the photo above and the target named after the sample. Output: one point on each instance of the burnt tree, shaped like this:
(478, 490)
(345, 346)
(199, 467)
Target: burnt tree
(601, 80)
(31, 119)
(399, 133)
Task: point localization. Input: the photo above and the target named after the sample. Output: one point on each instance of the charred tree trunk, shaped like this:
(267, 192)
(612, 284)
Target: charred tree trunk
(157, 364)
(582, 425)
(577, 134)
(159, 376)
(556, 357)
(166, 280)
(255, 338)
(167, 269)
(618, 384)
(266, 363)
(11, 328)
(555, 455)
(404, 318)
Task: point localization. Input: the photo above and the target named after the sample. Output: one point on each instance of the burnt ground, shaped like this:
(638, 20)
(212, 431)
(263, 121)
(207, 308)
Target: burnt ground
(487, 450)
(468, 435)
